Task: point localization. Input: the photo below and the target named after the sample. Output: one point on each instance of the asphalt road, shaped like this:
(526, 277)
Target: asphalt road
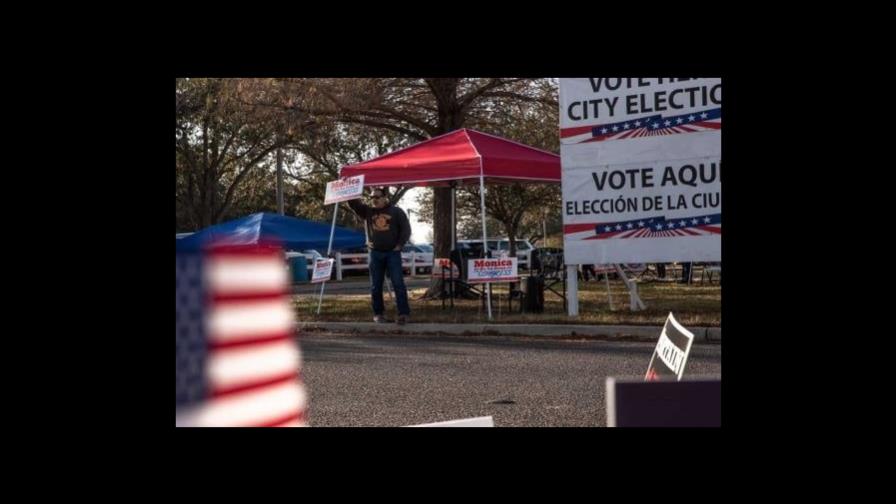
(521, 382)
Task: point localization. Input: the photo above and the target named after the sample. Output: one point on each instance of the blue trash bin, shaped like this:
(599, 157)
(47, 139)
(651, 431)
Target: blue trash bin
(299, 267)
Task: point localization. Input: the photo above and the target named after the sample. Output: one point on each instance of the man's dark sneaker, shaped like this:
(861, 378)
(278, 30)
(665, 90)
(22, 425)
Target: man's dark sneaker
(403, 319)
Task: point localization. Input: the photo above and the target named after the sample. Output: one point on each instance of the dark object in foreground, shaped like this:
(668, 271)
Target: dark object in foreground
(688, 403)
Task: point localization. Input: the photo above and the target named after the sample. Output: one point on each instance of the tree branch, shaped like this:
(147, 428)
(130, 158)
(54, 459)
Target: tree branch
(517, 96)
(377, 124)
(467, 99)
(240, 176)
(227, 145)
(390, 112)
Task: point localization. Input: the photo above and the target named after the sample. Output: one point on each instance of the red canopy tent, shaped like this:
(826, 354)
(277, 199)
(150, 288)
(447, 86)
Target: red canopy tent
(462, 156)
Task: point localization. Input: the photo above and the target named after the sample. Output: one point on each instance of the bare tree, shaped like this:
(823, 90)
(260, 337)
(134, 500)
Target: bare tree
(219, 142)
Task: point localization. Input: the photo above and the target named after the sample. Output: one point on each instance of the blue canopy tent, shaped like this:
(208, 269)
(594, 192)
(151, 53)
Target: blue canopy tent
(292, 233)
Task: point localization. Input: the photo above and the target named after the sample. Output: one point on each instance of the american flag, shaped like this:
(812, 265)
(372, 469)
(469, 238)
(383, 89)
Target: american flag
(652, 227)
(237, 360)
(655, 125)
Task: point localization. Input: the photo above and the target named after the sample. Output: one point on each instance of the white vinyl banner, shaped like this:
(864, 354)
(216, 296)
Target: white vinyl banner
(641, 169)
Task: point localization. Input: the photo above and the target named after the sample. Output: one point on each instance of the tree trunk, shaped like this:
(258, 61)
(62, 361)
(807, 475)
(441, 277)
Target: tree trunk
(451, 117)
(441, 229)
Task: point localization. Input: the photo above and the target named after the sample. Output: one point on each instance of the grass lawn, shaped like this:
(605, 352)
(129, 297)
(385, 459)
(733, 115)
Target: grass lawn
(693, 305)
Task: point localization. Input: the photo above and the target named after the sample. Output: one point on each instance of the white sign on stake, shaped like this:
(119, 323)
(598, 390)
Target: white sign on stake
(338, 190)
(323, 269)
(492, 270)
(485, 421)
(671, 353)
(344, 189)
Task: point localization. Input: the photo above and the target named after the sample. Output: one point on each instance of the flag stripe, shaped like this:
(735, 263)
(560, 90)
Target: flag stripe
(223, 391)
(250, 341)
(235, 321)
(568, 132)
(234, 367)
(296, 419)
(576, 228)
(254, 407)
(230, 274)
(241, 297)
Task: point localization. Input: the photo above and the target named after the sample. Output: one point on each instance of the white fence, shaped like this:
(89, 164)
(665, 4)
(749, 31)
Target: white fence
(421, 268)
(407, 259)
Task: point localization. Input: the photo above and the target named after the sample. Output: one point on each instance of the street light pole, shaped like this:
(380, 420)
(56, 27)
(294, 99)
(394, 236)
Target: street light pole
(280, 181)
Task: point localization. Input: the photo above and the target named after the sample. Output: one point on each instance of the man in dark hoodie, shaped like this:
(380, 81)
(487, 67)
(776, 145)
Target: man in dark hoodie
(388, 230)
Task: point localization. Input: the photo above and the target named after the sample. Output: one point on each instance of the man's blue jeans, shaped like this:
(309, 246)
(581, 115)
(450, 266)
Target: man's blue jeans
(379, 262)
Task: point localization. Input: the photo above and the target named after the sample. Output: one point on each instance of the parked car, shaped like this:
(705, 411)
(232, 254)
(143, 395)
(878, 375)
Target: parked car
(551, 257)
(422, 257)
(362, 254)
